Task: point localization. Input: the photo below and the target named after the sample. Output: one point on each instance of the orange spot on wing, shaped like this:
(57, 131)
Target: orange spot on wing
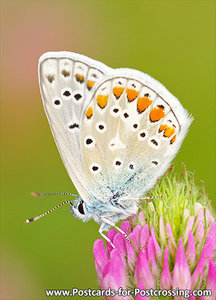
(162, 127)
(89, 112)
(131, 94)
(143, 103)
(173, 139)
(79, 78)
(169, 131)
(90, 84)
(117, 91)
(102, 100)
(156, 114)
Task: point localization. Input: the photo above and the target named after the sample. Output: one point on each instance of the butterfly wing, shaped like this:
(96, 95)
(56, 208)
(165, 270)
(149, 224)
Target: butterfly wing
(135, 128)
(66, 81)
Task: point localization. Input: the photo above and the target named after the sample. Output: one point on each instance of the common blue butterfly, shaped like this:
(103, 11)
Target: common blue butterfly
(116, 130)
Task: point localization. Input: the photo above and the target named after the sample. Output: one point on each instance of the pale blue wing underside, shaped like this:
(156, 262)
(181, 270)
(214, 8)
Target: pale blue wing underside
(116, 130)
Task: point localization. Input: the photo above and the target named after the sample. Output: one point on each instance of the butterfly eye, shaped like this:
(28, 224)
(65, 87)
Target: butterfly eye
(81, 208)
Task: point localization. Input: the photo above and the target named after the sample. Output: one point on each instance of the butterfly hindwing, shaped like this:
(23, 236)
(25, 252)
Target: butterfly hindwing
(132, 134)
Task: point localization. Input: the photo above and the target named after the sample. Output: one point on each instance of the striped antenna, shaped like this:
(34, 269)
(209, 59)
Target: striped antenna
(137, 199)
(46, 213)
(35, 194)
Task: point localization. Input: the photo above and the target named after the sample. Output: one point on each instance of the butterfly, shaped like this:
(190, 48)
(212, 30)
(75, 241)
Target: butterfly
(117, 130)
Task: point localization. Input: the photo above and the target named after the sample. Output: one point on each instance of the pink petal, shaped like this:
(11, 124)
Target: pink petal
(106, 271)
(110, 234)
(197, 276)
(210, 248)
(199, 210)
(109, 282)
(119, 242)
(200, 213)
(101, 258)
(171, 240)
(169, 233)
(212, 233)
(142, 271)
(144, 236)
(209, 217)
(118, 269)
(141, 287)
(141, 218)
(137, 231)
(200, 235)
(115, 274)
(162, 230)
(158, 251)
(181, 272)
(211, 280)
(133, 219)
(126, 227)
(131, 253)
(166, 279)
(188, 228)
(191, 249)
(152, 259)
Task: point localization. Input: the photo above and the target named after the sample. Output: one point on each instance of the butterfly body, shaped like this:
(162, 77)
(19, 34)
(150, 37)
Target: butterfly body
(116, 130)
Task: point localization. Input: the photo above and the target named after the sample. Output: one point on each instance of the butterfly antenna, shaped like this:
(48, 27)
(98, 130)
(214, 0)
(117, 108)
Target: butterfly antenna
(35, 194)
(46, 213)
(149, 198)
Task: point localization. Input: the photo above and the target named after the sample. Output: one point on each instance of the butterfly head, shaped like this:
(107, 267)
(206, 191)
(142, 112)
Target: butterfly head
(79, 209)
(113, 210)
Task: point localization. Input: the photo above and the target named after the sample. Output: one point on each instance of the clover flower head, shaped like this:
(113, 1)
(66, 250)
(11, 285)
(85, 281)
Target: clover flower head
(173, 244)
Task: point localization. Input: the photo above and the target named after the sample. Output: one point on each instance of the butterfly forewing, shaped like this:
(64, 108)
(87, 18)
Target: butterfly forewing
(66, 81)
(131, 135)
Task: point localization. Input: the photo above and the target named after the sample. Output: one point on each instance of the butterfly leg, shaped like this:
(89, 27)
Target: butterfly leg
(116, 227)
(104, 236)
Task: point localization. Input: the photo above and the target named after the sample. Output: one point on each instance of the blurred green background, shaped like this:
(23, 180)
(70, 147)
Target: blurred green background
(173, 41)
